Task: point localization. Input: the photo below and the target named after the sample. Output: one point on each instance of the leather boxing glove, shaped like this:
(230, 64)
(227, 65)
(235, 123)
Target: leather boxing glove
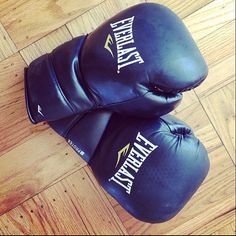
(138, 62)
(152, 166)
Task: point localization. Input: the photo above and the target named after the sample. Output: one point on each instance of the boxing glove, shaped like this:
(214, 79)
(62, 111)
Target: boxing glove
(138, 63)
(152, 167)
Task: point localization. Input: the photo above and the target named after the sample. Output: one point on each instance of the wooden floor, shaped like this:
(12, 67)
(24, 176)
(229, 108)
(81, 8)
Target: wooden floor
(45, 188)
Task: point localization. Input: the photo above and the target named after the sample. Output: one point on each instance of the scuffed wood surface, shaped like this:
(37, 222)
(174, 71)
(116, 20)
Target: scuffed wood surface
(46, 188)
(29, 20)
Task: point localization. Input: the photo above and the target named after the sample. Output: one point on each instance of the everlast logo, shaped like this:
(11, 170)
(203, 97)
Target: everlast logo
(140, 150)
(127, 53)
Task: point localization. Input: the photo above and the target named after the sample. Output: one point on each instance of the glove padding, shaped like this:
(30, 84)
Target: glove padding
(152, 167)
(137, 63)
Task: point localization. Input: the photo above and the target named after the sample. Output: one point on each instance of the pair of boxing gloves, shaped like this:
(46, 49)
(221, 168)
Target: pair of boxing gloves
(108, 92)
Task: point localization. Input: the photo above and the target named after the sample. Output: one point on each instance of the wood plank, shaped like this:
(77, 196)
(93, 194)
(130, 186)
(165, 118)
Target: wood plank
(96, 207)
(219, 45)
(7, 47)
(218, 49)
(17, 133)
(221, 111)
(73, 206)
(46, 44)
(12, 101)
(15, 127)
(217, 224)
(33, 158)
(215, 196)
(208, 216)
(196, 118)
(183, 8)
(226, 230)
(219, 75)
(81, 25)
(7, 227)
(189, 98)
(33, 166)
(28, 20)
(210, 18)
(98, 15)
(40, 216)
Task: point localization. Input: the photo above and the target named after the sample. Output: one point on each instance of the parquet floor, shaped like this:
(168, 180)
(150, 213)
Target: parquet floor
(45, 188)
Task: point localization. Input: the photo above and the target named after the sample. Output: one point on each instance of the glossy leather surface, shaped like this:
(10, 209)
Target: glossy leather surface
(137, 63)
(83, 132)
(165, 180)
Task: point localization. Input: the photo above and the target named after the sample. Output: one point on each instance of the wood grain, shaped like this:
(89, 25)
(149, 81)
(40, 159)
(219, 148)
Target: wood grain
(96, 207)
(75, 205)
(220, 108)
(221, 64)
(219, 75)
(7, 47)
(15, 127)
(197, 119)
(28, 20)
(96, 16)
(183, 8)
(19, 135)
(39, 216)
(226, 230)
(46, 188)
(225, 221)
(189, 98)
(33, 166)
(210, 18)
(218, 45)
(46, 44)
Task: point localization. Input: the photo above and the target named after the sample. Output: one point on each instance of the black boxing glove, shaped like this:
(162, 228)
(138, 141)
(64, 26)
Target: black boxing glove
(138, 63)
(152, 167)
